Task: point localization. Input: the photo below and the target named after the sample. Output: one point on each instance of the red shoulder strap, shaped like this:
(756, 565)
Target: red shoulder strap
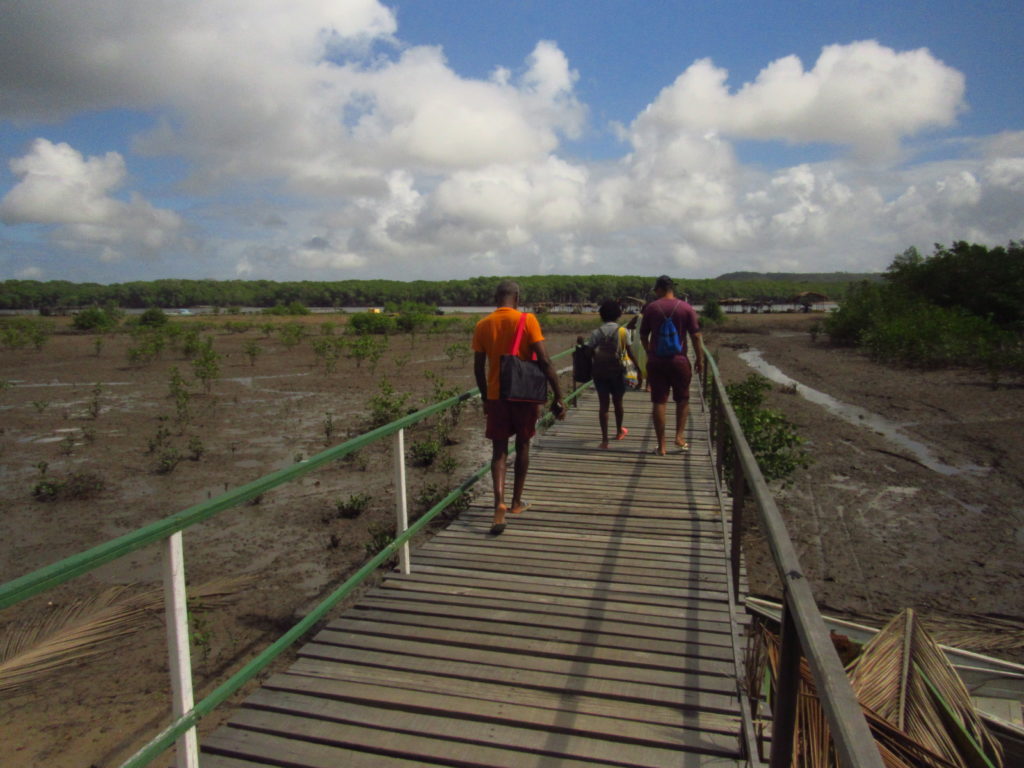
(519, 335)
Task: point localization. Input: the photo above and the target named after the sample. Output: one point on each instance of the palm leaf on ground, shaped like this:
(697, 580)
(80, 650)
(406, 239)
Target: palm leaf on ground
(88, 628)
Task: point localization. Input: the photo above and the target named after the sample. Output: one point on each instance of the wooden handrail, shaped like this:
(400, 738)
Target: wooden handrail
(802, 622)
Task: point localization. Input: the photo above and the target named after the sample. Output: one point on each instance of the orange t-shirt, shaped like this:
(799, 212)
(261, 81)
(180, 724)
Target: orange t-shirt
(494, 336)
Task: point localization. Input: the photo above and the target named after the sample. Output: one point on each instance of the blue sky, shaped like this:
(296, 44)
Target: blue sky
(440, 139)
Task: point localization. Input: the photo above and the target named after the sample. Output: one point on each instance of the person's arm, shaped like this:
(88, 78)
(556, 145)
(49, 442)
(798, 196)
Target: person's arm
(480, 373)
(698, 350)
(557, 405)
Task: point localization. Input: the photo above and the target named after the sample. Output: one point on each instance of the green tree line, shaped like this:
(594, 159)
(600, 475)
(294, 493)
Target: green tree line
(963, 305)
(475, 291)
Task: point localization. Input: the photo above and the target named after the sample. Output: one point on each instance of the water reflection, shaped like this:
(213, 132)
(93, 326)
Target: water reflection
(856, 415)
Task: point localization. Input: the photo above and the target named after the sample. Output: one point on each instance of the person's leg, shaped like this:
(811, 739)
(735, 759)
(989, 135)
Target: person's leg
(499, 461)
(682, 412)
(681, 375)
(659, 381)
(521, 468)
(618, 392)
(658, 417)
(620, 431)
(602, 414)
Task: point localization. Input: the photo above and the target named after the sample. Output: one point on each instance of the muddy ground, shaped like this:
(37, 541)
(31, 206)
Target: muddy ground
(931, 518)
(875, 528)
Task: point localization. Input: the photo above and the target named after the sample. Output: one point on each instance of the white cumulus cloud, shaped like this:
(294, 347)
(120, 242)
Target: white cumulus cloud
(863, 95)
(58, 186)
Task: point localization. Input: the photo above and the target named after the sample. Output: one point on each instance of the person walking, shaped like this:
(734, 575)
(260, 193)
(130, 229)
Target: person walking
(610, 349)
(666, 323)
(493, 337)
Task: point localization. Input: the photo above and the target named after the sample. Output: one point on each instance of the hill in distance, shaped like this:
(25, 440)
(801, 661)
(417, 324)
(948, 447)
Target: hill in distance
(801, 277)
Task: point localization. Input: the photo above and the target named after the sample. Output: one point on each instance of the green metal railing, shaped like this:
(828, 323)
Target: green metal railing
(39, 581)
(803, 630)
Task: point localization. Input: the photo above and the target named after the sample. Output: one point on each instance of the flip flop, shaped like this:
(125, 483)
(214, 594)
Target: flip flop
(497, 529)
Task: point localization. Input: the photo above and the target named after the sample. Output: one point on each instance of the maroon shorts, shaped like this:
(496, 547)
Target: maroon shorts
(664, 373)
(505, 419)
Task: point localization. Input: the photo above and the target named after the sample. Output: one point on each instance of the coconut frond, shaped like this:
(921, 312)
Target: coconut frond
(903, 677)
(812, 738)
(88, 628)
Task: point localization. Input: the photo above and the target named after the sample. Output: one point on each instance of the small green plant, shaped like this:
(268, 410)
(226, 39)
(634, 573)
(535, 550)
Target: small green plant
(76, 486)
(381, 534)
(168, 460)
(772, 438)
(95, 407)
(291, 334)
(196, 449)
(458, 352)
(96, 319)
(386, 405)
(177, 390)
(153, 317)
(423, 452)
(357, 460)
(97, 345)
(40, 405)
(201, 634)
(206, 364)
(328, 425)
(252, 350)
(160, 439)
(67, 445)
(448, 464)
(367, 348)
(354, 506)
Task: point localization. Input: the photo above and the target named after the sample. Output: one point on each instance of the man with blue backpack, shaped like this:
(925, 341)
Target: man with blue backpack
(666, 323)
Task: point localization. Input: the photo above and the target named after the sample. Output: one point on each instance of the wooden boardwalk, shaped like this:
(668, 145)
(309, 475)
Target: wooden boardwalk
(596, 630)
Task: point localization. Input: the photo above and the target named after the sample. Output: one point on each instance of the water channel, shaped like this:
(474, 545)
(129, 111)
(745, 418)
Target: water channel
(861, 417)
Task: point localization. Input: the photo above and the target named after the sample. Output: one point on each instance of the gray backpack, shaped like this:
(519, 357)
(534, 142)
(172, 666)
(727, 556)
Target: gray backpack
(607, 360)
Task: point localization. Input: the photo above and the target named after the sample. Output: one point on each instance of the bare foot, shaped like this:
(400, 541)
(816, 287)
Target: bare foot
(604, 445)
(622, 433)
(518, 507)
(499, 514)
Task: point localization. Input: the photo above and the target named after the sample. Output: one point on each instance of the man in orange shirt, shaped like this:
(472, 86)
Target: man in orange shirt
(492, 338)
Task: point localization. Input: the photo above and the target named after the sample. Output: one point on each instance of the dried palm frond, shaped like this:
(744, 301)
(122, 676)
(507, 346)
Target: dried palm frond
(975, 632)
(88, 628)
(979, 632)
(904, 678)
(812, 742)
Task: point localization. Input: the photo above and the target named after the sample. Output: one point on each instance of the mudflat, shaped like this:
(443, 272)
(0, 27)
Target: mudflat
(913, 497)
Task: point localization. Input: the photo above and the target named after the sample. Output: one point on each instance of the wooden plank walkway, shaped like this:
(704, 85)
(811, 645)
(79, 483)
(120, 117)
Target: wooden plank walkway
(597, 630)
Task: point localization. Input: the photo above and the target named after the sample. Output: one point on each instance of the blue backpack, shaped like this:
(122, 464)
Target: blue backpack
(668, 343)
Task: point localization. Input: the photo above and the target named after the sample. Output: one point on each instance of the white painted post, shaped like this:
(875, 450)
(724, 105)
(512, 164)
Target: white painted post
(176, 607)
(401, 506)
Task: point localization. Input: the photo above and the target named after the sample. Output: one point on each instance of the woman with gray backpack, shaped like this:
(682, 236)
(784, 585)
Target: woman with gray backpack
(610, 351)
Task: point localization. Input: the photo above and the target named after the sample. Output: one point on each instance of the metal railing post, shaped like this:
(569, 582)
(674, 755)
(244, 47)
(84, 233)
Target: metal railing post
(401, 505)
(176, 609)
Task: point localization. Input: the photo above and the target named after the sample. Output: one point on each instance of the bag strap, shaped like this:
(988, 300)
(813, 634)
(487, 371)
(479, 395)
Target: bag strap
(519, 335)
